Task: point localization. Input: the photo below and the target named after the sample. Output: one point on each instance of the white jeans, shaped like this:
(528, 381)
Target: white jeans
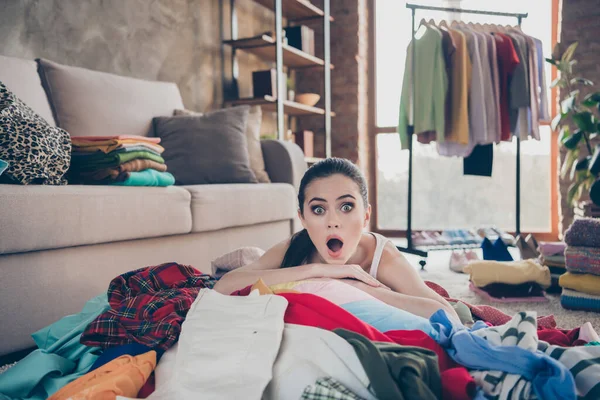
(226, 349)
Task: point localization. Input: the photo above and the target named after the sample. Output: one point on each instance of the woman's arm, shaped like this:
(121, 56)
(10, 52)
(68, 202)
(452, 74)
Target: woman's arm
(412, 294)
(268, 269)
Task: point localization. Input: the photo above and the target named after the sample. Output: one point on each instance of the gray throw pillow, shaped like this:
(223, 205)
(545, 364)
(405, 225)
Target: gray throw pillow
(208, 148)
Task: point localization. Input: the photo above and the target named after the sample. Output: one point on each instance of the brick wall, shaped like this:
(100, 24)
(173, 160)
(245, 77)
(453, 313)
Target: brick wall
(579, 22)
(349, 83)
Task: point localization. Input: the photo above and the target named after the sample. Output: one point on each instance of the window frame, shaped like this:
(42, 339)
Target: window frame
(374, 130)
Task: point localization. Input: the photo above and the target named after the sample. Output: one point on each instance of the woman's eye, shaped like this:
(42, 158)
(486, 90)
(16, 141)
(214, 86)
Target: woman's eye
(318, 210)
(347, 207)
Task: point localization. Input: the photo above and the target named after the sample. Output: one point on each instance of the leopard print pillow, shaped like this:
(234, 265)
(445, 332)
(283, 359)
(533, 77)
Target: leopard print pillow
(35, 151)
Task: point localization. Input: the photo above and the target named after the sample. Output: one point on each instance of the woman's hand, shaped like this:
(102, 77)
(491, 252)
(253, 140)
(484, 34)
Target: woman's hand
(351, 271)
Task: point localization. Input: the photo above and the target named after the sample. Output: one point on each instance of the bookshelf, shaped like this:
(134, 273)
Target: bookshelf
(271, 48)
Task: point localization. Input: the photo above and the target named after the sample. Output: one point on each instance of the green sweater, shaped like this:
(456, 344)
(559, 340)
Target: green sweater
(431, 86)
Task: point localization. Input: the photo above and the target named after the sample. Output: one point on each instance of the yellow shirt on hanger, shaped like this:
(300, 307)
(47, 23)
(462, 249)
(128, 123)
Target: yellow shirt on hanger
(460, 76)
(431, 86)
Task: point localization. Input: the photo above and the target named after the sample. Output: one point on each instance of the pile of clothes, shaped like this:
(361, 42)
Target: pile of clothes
(581, 284)
(161, 332)
(552, 255)
(125, 160)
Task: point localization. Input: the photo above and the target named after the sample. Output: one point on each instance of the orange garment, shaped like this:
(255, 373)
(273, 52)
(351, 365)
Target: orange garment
(458, 128)
(263, 289)
(123, 376)
(87, 148)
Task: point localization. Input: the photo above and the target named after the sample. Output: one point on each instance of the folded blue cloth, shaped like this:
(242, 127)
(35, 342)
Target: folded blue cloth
(384, 317)
(550, 379)
(60, 358)
(131, 349)
(495, 252)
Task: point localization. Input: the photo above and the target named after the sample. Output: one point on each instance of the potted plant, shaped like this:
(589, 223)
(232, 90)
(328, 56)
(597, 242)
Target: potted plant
(578, 123)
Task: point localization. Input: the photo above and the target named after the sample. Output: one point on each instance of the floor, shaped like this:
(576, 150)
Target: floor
(457, 286)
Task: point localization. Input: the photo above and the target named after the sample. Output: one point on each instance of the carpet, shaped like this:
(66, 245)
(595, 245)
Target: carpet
(457, 285)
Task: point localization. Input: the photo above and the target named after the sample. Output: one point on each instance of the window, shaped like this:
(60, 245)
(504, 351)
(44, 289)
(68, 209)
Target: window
(443, 197)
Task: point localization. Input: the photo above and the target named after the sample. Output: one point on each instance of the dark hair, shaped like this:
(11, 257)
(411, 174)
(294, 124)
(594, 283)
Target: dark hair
(301, 247)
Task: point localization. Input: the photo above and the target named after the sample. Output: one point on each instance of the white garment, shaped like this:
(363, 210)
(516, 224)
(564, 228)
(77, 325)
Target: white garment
(226, 349)
(381, 242)
(307, 354)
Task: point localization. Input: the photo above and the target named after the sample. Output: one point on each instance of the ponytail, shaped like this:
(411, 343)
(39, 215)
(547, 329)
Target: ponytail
(300, 249)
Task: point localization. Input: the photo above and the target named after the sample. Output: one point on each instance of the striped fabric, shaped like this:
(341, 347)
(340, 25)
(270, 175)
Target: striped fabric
(520, 331)
(585, 260)
(584, 364)
(573, 300)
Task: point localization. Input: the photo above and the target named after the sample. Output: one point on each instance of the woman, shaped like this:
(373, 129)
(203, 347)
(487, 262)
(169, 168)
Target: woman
(334, 210)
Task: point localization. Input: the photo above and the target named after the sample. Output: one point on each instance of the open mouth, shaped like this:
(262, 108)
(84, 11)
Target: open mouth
(335, 245)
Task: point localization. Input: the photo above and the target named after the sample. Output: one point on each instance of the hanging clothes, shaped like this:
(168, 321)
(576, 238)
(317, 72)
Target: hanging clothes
(430, 84)
(508, 60)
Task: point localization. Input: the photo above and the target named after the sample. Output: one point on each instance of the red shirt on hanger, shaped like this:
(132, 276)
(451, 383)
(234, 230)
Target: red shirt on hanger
(507, 62)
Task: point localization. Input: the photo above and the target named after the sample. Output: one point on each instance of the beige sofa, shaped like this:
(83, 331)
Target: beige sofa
(61, 245)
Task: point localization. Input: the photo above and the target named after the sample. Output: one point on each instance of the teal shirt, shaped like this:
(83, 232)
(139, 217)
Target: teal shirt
(431, 86)
(148, 177)
(60, 358)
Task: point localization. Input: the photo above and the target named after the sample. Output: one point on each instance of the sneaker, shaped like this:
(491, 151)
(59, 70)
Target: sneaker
(471, 255)
(458, 260)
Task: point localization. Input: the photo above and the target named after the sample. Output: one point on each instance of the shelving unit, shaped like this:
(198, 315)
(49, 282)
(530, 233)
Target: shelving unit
(274, 49)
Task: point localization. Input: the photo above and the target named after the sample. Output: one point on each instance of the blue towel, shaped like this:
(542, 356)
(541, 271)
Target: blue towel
(384, 317)
(550, 379)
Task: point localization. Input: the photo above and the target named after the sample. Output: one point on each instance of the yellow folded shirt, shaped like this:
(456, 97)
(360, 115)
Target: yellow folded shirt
(512, 272)
(584, 283)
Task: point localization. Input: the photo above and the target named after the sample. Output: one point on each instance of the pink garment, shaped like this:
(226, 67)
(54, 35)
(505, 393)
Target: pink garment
(488, 313)
(489, 297)
(335, 291)
(119, 137)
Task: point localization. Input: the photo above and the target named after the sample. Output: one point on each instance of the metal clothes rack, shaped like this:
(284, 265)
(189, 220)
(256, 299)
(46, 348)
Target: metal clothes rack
(410, 247)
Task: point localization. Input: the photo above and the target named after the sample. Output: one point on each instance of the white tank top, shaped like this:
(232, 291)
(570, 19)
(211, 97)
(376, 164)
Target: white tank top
(381, 241)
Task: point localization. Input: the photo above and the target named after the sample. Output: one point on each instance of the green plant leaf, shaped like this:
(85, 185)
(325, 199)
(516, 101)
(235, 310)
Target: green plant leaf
(560, 82)
(591, 99)
(555, 121)
(573, 193)
(581, 81)
(594, 135)
(568, 54)
(571, 157)
(572, 141)
(567, 104)
(564, 134)
(572, 62)
(585, 121)
(551, 61)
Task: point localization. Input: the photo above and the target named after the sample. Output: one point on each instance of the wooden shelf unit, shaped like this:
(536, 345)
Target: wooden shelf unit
(269, 103)
(295, 10)
(264, 47)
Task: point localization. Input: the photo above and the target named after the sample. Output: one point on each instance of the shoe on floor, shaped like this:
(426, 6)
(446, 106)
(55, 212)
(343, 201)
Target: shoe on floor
(526, 249)
(458, 260)
(471, 255)
(501, 251)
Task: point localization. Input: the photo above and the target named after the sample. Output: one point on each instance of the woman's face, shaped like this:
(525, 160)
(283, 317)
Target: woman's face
(334, 216)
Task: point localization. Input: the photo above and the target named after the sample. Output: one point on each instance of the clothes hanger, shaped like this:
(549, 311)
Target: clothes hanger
(443, 24)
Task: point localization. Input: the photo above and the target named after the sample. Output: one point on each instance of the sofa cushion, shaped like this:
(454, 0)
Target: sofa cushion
(92, 103)
(206, 149)
(21, 77)
(48, 217)
(223, 206)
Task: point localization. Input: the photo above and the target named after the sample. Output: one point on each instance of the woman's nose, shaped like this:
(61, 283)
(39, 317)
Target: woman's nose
(333, 224)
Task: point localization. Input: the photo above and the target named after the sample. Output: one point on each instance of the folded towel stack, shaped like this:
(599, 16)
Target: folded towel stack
(509, 280)
(552, 255)
(581, 283)
(118, 160)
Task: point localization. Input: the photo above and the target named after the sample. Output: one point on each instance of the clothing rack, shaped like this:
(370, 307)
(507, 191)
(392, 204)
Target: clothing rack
(410, 247)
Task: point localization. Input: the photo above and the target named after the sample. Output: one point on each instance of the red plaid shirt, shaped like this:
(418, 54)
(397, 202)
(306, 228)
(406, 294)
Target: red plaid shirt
(148, 306)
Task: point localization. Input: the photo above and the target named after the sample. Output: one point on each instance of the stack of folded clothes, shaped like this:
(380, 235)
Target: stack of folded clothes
(581, 283)
(552, 255)
(509, 281)
(118, 160)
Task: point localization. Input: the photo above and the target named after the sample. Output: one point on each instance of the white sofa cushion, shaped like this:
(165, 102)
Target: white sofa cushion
(21, 77)
(49, 217)
(92, 103)
(228, 205)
